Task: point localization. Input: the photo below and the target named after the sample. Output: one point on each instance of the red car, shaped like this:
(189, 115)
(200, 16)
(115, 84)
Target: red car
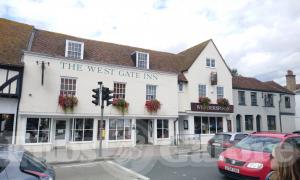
(250, 158)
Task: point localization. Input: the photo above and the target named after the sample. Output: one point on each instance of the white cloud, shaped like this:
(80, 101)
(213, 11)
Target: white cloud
(256, 37)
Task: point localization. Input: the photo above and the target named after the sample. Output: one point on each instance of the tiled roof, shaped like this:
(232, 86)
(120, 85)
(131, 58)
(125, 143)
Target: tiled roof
(249, 83)
(14, 38)
(54, 44)
(191, 54)
(278, 87)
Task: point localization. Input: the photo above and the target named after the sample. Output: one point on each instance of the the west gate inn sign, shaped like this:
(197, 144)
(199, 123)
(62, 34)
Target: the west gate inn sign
(108, 71)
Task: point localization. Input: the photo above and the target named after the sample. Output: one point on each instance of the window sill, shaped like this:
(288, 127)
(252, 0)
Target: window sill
(242, 104)
(254, 105)
(32, 144)
(80, 142)
(119, 140)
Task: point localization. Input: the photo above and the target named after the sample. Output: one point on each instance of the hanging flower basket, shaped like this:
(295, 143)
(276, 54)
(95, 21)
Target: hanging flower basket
(152, 105)
(121, 104)
(223, 102)
(204, 101)
(67, 102)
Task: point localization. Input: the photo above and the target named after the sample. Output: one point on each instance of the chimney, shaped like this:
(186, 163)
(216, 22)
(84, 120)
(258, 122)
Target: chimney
(290, 81)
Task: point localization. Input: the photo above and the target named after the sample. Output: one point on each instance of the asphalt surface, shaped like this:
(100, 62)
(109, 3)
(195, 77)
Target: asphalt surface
(161, 166)
(102, 170)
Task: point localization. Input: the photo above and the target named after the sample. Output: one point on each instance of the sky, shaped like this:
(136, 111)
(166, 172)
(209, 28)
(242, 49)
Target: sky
(260, 38)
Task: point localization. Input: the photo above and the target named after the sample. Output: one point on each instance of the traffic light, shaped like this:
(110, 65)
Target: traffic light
(96, 97)
(106, 95)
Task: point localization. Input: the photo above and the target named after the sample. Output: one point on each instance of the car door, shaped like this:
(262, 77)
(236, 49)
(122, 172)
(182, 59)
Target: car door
(3, 164)
(293, 141)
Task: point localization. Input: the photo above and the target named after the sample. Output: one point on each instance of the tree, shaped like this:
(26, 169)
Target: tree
(234, 72)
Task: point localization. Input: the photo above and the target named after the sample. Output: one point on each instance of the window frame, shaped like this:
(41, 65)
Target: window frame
(208, 126)
(287, 103)
(38, 130)
(269, 100)
(116, 129)
(202, 87)
(74, 42)
(83, 129)
(253, 103)
(64, 91)
(210, 62)
(151, 93)
(243, 97)
(138, 60)
(163, 128)
(218, 90)
(268, 122)
(122, 91)
(185, 124)
(246, 125)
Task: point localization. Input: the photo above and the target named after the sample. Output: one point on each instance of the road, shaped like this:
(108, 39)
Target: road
(159, 165)
(102, 170)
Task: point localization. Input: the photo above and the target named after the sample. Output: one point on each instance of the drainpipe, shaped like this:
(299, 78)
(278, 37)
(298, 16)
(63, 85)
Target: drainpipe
(280, 112)
(175, 136)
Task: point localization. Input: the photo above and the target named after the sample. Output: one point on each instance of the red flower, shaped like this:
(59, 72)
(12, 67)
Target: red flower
(152, 105)
(67, 102)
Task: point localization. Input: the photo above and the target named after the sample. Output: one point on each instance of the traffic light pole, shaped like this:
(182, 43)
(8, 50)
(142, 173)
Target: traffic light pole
(101, 119)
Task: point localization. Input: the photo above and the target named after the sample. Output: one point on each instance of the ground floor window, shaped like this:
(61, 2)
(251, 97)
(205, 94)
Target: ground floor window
(249, 122)
(229, 127)
(119, 129)
(271, 123)
(102, 129)
(81, 129)
(38, 130)
(162, 128)
(6, 128)
(208, 125)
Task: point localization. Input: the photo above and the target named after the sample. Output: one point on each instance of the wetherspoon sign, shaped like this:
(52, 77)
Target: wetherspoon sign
(211, 108)
(104, 70)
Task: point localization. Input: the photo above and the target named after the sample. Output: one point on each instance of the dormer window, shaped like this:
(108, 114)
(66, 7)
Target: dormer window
(74, 49)
(142, 60)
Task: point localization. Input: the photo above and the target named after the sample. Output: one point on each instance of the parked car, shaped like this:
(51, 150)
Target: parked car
(297, 132)
(17, 163)
(221, 141)
(250, 158)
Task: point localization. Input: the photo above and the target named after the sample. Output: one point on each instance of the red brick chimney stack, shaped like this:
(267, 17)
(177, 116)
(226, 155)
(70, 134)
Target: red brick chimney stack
(290, 81)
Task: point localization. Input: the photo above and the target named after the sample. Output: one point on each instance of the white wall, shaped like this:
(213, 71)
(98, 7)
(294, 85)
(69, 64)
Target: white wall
(199, 73)
(263, 111)
(297, 117)
(38, 99)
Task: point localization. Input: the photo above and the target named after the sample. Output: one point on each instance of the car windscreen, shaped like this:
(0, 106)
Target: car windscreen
(222, 137)
(31, 163)
(258, 143)
(240, 136)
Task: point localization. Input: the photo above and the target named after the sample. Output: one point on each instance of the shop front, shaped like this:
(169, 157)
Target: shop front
(203, 122)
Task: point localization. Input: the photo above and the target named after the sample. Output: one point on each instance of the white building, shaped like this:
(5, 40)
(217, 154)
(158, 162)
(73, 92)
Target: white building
(262, 106)
(57, 65)
(205, 74)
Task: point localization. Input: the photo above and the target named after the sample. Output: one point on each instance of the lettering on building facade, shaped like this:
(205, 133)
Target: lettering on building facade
(211, 108)
(108, 71)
